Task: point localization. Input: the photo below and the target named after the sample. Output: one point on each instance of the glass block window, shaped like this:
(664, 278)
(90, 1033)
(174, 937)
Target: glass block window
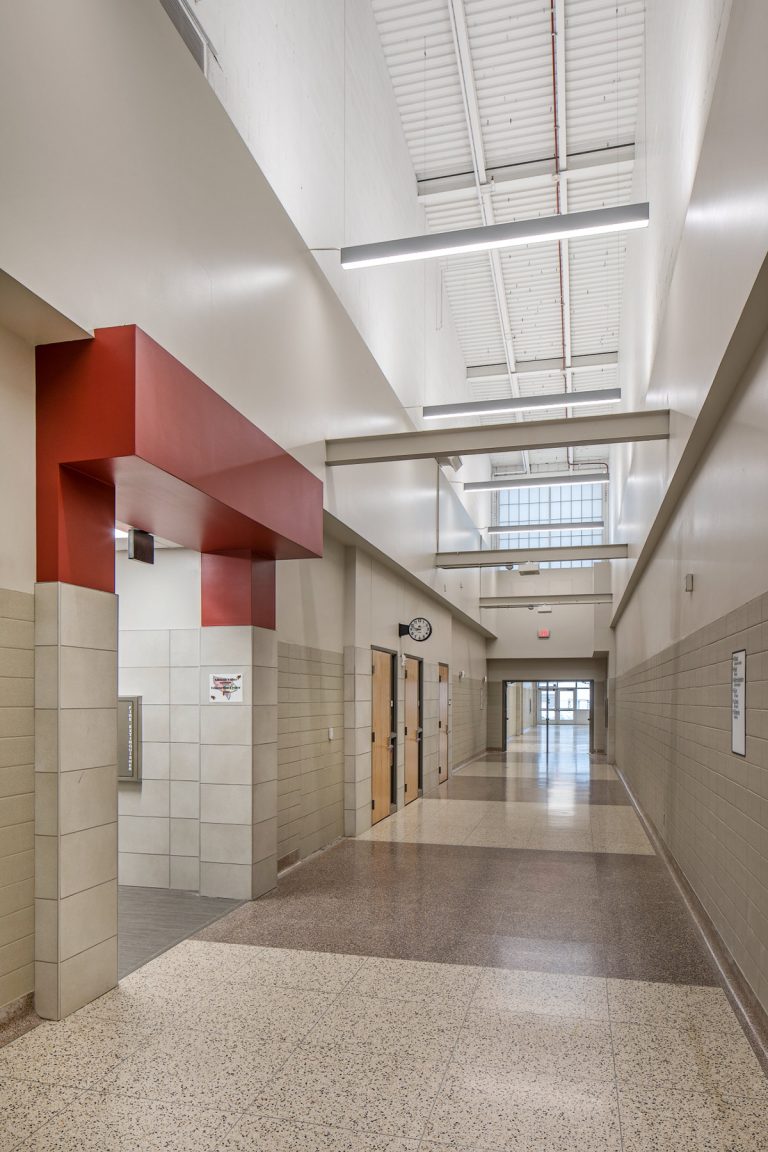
(563, 504)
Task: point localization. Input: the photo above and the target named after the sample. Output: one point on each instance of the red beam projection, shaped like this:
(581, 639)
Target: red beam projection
(126, 432)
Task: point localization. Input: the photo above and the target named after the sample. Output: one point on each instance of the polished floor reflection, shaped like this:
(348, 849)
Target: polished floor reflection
(407, 993)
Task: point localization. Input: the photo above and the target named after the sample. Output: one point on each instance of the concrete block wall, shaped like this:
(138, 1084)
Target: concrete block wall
(204, 816)
(495, 714)
(429, 719)
(159, 818)
(310, 703)
(672, 734)
(468, 718)
(357, 740)
(17, 795)
(75, 797)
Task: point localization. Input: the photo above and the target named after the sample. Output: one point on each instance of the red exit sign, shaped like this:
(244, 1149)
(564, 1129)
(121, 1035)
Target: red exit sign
(543, 633)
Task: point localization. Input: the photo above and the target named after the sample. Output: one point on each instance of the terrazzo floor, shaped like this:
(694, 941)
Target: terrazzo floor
(338, 1015)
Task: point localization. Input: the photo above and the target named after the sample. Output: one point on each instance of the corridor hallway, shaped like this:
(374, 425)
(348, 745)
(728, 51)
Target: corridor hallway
(504, 964)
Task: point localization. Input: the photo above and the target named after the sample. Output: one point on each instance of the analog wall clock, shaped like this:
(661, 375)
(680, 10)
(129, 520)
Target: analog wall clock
(419, 628)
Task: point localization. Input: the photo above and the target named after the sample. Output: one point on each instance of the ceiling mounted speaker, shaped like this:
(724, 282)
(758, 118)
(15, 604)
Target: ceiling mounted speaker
(529, 569)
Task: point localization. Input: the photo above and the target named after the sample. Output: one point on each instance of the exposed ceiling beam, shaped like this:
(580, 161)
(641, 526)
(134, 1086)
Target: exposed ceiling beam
(542, 367)
(503, 557)
(472, 112)
(546, 598)
(614, 428)
(541, 173)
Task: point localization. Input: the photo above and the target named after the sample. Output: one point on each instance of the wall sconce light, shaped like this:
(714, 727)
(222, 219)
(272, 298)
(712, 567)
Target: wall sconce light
(462, 674)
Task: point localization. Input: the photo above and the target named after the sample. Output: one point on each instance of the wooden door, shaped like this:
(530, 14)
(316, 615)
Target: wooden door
(382, 704)
(412, 731)
(442, 724)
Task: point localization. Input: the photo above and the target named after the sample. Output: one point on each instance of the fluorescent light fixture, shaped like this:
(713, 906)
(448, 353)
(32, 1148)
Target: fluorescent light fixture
(548, 480)
(120, 535)
(522, 403)
(559, 526)
(540, 230)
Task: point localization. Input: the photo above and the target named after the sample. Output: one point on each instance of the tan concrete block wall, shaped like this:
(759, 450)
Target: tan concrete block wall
(495, 715)
(673, 742)
(310, 700)
(468, 719)
(17, 795)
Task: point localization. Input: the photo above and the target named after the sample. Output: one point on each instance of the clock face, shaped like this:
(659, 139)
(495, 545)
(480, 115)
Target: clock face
(419, 629)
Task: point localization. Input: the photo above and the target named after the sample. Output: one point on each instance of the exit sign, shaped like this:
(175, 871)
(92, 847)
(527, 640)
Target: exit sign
(543, 633)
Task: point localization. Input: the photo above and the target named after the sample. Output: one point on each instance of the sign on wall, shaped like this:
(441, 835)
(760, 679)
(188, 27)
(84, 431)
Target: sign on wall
(739, 702)
(129, 738)
(225, 687)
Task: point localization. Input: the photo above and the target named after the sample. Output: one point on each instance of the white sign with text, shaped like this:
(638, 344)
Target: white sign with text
(225, 687)
(739, 702)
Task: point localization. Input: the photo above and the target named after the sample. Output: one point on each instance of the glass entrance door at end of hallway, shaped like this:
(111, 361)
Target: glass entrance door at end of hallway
(564, 701)
(382, 733)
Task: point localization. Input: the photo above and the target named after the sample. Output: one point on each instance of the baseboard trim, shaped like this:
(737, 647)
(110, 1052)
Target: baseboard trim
(470, 760)
(749, 1011)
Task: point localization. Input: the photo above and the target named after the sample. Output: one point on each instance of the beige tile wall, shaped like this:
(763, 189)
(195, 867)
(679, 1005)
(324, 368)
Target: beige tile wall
(495, 714)
(75, 797)
(673, 742)
(17, 788)
(467, 719)
(310, 700)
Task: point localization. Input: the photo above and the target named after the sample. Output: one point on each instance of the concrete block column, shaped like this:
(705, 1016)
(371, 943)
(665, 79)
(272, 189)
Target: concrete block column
(75, 797)
(238, 764)
(357, 740)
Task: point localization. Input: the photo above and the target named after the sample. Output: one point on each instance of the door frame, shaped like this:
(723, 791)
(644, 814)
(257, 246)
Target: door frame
(420, 786)
(394, 718)
(443, 664)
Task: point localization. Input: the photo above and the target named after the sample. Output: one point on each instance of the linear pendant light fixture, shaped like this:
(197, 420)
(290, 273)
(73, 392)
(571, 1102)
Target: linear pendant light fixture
(561, 526)
(522, 403)
(549, 480)
(539, 230)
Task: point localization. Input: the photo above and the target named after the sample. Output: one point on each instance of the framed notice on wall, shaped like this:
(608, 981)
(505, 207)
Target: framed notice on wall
(739, 702)
(225, 687)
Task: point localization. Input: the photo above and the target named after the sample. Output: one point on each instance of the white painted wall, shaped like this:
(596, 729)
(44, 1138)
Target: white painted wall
(165, 594)
(159, 216)
(687, 278)
(307, 86)
(310, 600)
(686, 284)
(17, 463)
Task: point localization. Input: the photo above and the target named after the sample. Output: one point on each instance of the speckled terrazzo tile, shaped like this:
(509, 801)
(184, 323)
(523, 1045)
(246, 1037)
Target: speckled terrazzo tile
(295, 968)
(355, 1089)
(73, 1052)
(147, 1004)
(25, 1107)
(268, 1134)
(195, 960)
(536, 1047)
(484, 1111)
(644, 1002)
(266, 1010)
(103, 1122)
(671, 1121)
(405, 1027)
(211, 1071)
(547, 993)
(685, 1059)
(391, 979)
(555, 840)
(582, 958)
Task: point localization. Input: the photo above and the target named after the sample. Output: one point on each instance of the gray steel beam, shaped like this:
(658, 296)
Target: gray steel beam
(503, 177)
(503, 557)
(614, 428)
(541, 367)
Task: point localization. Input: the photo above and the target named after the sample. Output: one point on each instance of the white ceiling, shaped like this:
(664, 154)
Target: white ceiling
(487, 95)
